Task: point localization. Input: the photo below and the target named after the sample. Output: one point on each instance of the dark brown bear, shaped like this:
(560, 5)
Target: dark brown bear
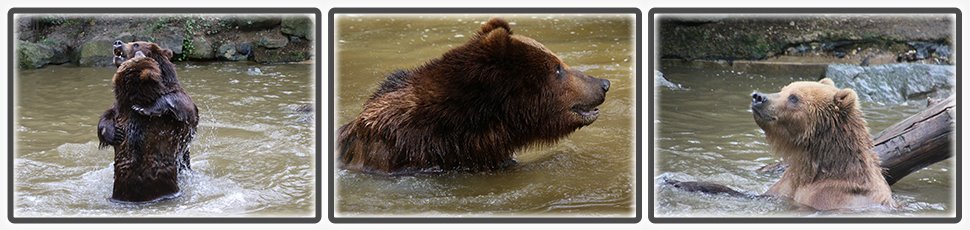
(470, 109)
(150, 126)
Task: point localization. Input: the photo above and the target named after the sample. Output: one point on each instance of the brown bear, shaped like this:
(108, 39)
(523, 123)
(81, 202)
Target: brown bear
(150, 125)
(470, 109)
(818, 130)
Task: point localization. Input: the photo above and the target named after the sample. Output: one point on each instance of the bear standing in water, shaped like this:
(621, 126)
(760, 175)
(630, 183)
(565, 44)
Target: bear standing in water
(819, 131)
(150, 126)
(470, 109)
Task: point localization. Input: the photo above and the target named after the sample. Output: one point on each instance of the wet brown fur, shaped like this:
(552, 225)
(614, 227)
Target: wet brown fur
(826, 142)
(470, 109)
(150, 147)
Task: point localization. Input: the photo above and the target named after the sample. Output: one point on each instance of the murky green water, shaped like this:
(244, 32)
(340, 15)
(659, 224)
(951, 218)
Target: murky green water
(253, 153)
(588, 173)
(707, 133)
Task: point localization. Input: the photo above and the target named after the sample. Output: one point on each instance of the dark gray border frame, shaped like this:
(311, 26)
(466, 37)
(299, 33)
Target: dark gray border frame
(654, 58)
(317, 96)
(637, 175)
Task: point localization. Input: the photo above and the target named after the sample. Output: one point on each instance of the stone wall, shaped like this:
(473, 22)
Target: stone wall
(856, 39)
(87, 41)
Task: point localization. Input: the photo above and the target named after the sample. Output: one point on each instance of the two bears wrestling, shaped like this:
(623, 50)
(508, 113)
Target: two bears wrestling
(149, 126)
(470, 109)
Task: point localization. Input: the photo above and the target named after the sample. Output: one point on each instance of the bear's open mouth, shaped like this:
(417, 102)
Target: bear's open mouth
(588, 113)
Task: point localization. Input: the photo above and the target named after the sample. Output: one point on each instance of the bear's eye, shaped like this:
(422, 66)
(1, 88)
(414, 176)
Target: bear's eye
(560, 72)
(792, 99)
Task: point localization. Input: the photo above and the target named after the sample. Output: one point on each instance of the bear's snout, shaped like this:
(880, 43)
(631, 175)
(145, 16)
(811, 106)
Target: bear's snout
(605, 84)
(759, 103)
(119, 48)
(758, 99)
(119, 52)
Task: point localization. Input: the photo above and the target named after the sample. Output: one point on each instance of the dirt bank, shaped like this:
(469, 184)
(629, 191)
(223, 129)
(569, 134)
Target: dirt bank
(855, 39)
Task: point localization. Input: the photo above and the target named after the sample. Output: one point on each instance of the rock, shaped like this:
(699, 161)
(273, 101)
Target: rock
(301, 26)
(895, 83)
(97, 52)
(60, 44)
(662, 81)
(928, 50)
(172, 41)
(125, 37)
(228, 51)
(32, 55)
(253, 23)
(274, 41)
(201, 49)
(245, 48)
(295, 51)
(254, 71)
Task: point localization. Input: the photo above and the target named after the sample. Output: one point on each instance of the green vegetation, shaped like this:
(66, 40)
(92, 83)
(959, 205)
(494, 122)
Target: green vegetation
(190, 26)
(160, 23)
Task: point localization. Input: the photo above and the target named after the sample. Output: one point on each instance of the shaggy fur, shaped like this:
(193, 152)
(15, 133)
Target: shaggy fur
(819, 131)
(470, 109)
(150, 125)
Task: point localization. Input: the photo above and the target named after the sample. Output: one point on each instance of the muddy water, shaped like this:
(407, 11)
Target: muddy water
(707, 133)
(587, 173)
(252, 155)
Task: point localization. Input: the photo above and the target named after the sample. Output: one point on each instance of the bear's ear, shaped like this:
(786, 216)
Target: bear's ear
(845, 98)
(495, 34)
(168, 54)
(497, 39)
(493, 24)
(827, 81)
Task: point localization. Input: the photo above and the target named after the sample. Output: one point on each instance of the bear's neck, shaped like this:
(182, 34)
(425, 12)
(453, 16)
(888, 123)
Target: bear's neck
(169, 76)
(842, 151)
(461, 131)
(141, 93)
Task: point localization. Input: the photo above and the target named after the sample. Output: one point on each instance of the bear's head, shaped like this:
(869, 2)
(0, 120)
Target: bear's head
(138, 78)
(124, 51)
(530, 80)
(806, 114)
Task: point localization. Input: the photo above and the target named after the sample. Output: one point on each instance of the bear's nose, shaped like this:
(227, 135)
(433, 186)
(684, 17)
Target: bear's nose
(758, 98)
(118, 48)
(605, 84)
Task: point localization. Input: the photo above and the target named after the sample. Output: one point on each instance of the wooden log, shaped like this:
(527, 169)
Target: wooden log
(918, 141)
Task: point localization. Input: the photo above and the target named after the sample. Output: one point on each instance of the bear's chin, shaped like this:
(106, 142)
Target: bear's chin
(587, 114)
(761, 116)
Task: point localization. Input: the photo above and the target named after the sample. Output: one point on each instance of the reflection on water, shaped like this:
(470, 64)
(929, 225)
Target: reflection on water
(252, 153)
(707, 133)
(587, 173)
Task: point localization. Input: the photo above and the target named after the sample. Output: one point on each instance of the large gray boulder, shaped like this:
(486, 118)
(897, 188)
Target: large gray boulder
(661, 81)
(301, 26)
(202, 49)
(33, 55)
(97, 52)
(895, 83)
(172, 40)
